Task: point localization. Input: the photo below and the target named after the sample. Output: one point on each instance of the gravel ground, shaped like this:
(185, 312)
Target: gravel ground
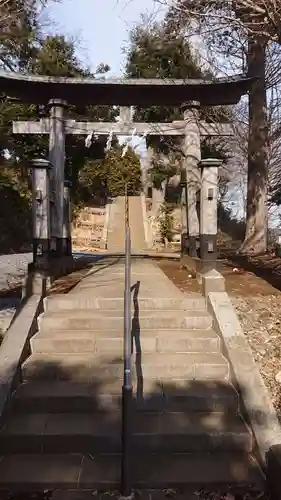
(12, 268)
(168, 494)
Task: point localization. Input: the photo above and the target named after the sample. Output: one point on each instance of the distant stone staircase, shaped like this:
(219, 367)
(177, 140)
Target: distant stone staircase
(63, 430)
(116, 229)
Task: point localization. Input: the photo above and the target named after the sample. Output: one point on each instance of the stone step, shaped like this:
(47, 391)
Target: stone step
(148, 278)
(117, 290)
(145, 279)
(174, 341)
(79, 301)
(157, 366)
(99, 433)
(87, 319)
(38, 472)
(103, 289)
(63, 397)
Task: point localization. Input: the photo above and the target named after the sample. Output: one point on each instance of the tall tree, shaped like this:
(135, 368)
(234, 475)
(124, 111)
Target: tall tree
(153, 54)
(19, 29)
(156, 51)
(232, 22)
(255, 240)
(100, 178)
(53, 56)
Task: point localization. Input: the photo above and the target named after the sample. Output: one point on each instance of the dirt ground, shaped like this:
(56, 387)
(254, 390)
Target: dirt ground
(255, 289)
(60, 285)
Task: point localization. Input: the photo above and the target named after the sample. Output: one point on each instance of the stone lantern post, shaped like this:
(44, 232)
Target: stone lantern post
(209, 213)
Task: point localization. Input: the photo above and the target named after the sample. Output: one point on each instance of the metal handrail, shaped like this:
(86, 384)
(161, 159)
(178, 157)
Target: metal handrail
(127, 388)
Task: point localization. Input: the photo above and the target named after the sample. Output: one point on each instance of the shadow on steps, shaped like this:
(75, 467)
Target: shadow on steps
(63, 427)
(63, 430)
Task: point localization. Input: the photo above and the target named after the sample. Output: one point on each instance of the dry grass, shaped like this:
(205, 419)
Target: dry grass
(261, 321)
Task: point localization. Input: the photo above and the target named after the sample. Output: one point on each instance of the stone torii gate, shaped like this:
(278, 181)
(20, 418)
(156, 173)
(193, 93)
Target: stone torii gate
(57, 93)
(57, 126)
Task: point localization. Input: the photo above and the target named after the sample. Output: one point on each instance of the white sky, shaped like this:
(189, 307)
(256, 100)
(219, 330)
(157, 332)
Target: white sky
(101, 27)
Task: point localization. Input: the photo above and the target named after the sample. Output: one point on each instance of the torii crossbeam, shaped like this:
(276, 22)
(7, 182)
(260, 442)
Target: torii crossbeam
(175, 128)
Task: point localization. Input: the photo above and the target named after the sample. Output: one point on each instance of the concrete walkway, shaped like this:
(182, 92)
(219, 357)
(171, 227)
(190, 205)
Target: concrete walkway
(116, 229)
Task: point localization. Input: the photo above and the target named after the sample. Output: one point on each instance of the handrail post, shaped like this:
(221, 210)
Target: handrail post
(127, 388)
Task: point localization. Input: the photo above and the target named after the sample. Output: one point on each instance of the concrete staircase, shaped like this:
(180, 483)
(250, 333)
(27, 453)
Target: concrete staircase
(63, 429)
(116, 228)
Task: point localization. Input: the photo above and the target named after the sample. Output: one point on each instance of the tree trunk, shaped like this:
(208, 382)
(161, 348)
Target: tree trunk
(256, 210)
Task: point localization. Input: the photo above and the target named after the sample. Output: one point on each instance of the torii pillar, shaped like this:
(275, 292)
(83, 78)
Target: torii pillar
(57, 160)
(192, 158)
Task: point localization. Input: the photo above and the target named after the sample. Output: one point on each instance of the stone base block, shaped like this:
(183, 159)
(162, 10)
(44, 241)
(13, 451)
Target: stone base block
(61, 266)
(39, 278)
(184, 244)
(200, 266)
(212, 281)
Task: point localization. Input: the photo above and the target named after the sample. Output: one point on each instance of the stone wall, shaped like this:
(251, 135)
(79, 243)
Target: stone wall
(87, 229)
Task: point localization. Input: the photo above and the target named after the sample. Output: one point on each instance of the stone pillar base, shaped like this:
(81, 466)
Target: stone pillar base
(193, 246)
(67, 247)
(40, 277)
(200, 267)
(59, 248)
(41, 253)
(36, 282)
(205, 266)
(184, 244)
(208, 247)
(62, 266)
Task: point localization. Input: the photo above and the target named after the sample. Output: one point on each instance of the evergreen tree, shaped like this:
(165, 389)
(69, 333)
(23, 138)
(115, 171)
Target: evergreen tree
(155, 52)
(107, 177)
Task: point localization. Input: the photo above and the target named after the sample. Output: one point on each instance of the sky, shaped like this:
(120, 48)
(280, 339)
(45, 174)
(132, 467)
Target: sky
(101, 30)
(101, 27)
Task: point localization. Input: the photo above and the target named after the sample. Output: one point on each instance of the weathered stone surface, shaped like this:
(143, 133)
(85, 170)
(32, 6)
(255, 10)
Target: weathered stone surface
(93, 433)
(65, 341)
(74, 471)
(212, 281)
(158, 366)
(256, 399)
(79, 301)
(273, 461)
(90, 320)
